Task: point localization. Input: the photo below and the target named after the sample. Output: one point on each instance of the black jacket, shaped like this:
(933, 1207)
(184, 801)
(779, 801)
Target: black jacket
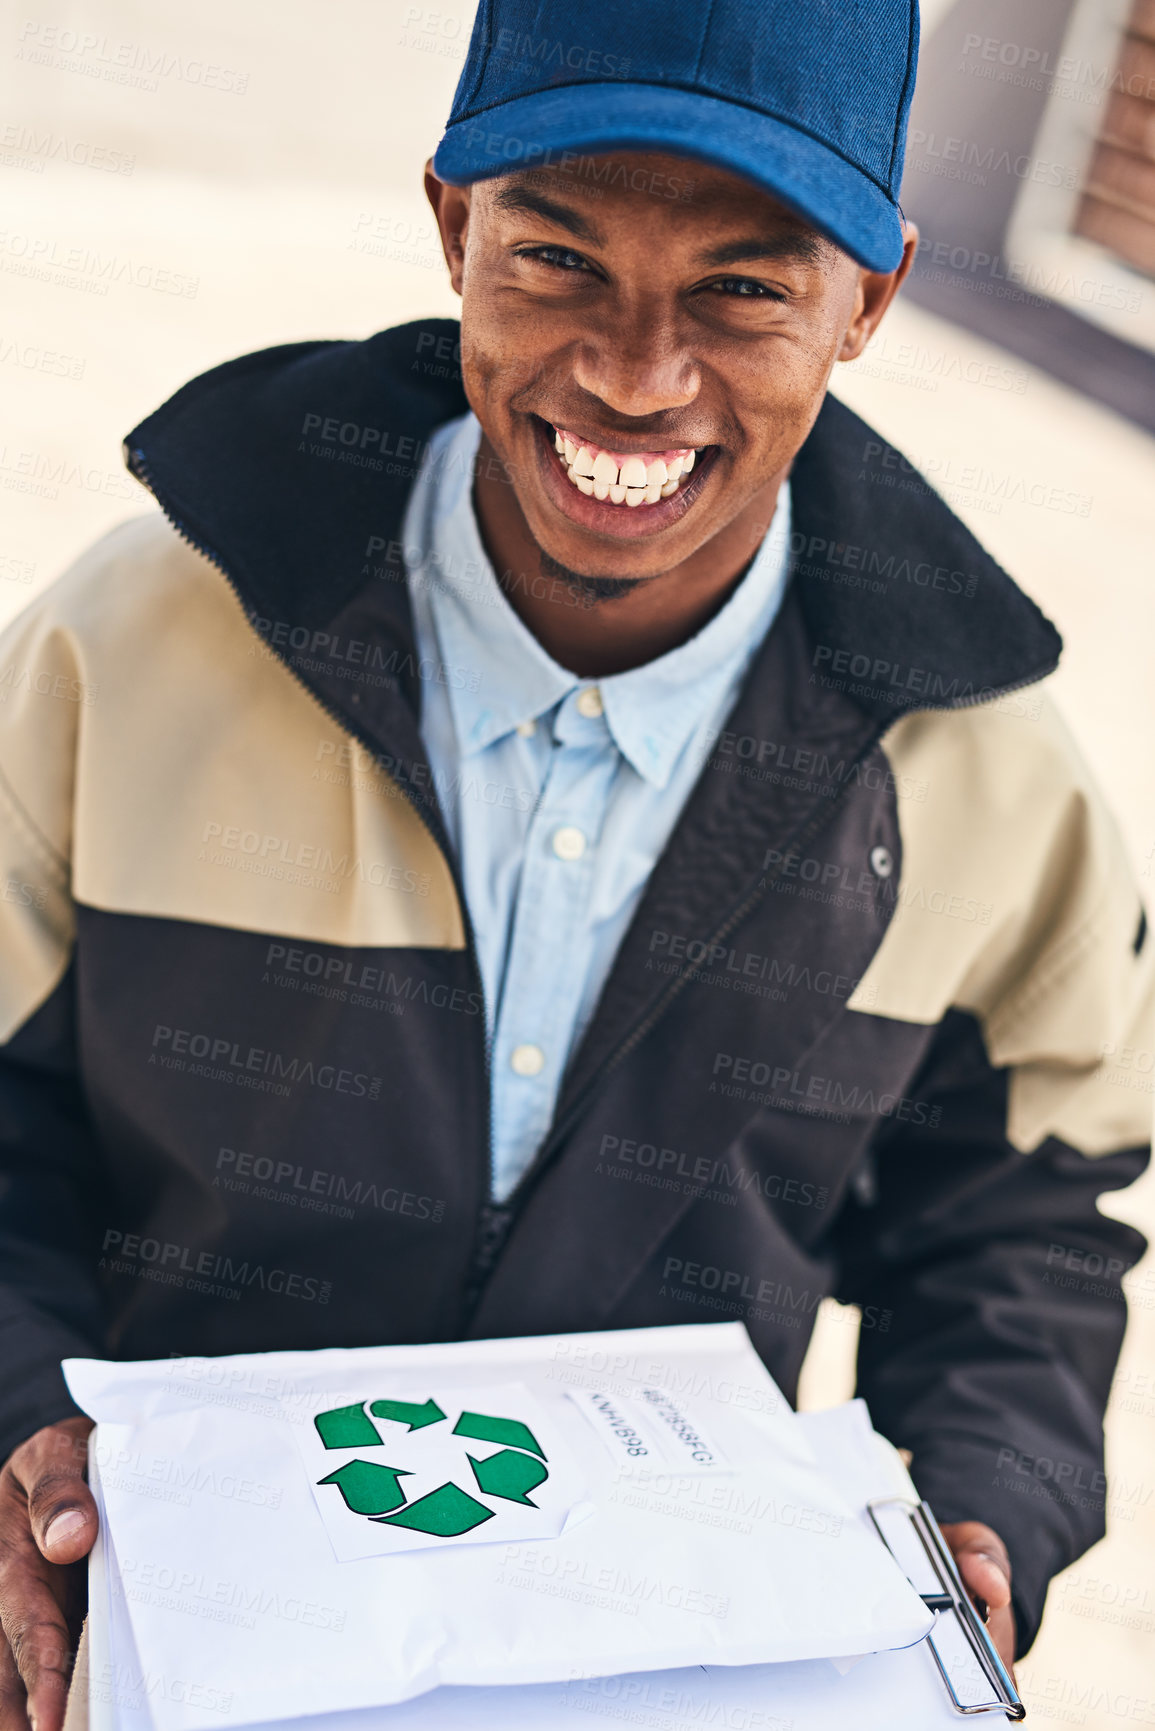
(866, 1035)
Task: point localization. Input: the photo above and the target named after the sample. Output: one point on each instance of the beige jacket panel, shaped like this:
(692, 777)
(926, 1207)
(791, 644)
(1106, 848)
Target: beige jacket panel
(135, 700)
(1018, 904)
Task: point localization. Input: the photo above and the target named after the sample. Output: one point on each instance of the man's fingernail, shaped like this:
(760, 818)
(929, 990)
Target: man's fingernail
(64, 1527)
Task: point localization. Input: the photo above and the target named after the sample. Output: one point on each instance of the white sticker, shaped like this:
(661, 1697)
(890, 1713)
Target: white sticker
(625, 1431)
(651, 1429)
(687, 1438)
(437, 1466)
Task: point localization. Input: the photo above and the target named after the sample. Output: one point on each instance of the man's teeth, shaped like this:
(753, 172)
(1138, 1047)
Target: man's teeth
(628, 481)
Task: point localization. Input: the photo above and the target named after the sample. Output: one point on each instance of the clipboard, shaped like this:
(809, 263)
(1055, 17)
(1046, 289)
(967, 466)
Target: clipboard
(963, 1651)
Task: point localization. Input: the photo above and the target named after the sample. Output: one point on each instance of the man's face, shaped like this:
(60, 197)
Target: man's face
(676, 347)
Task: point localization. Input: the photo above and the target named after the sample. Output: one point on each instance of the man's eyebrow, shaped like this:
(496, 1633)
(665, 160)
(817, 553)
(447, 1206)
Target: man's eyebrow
(526, 199)
(789, 247)
(799, 248)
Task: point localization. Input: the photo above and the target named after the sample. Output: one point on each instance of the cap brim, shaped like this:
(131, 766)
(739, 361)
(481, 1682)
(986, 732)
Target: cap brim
(823, 187)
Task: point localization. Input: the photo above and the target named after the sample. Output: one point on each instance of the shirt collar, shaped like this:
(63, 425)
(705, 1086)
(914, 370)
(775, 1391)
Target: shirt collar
(654, 711)
(497, 673)
(499, 676)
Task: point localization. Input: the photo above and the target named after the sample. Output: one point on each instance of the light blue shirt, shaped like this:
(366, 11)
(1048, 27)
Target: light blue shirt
(559, 793)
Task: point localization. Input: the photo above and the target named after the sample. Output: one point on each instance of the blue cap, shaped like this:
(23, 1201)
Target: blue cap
(806, 98)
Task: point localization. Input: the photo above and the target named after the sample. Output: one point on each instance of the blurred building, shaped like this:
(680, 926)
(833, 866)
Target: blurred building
(1031, 174)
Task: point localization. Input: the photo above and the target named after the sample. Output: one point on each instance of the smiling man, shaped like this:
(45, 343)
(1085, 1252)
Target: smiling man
(555, 826)
(646, 467)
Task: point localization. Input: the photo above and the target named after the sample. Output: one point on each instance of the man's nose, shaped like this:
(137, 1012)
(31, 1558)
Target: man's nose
(637, 370)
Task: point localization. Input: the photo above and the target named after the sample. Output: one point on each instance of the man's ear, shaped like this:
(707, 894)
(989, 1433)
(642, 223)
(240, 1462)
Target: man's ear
(876, 290)
(451, 208)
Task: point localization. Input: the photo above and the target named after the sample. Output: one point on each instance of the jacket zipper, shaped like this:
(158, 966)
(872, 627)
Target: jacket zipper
(637, 1034)
(138, 466)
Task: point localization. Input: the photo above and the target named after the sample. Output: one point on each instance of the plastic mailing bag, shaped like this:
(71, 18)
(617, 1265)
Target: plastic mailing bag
(624, 1502)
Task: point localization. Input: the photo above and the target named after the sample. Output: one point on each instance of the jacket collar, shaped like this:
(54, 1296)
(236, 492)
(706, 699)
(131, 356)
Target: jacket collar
(291, 468)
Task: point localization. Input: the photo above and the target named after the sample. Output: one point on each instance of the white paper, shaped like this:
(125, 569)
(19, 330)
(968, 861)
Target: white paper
(229, 1575)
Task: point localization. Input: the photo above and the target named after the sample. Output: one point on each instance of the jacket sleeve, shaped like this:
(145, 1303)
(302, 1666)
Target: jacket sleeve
(976, 1231)
(996, 1282)
(50, 1164)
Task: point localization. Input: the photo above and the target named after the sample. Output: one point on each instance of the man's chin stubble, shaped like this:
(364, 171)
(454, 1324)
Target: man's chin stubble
(592, 590)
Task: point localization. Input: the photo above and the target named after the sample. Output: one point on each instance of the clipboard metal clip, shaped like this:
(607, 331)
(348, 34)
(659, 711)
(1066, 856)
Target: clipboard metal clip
(951, 1598)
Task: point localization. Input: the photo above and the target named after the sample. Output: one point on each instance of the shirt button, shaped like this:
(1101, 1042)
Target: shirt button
(589, 702)
(568, 842)
(881, 861)
(527, 729)
(527, 1060)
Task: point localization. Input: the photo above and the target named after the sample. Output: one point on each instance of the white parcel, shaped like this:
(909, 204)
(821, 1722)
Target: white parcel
(310, 1532)
(881, 1692)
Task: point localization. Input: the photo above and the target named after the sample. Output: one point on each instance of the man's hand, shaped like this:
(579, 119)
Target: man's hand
(986, 1571)
(47, 1525)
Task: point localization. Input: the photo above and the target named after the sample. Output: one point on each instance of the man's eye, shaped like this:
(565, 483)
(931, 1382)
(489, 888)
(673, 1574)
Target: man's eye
(559, 256)
(745, 287)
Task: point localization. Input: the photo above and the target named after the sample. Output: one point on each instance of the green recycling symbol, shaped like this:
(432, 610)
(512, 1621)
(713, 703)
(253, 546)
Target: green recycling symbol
(375, 1491)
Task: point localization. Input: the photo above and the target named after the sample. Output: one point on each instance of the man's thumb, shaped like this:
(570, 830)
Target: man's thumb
(61, 1510)
(69, 1534)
